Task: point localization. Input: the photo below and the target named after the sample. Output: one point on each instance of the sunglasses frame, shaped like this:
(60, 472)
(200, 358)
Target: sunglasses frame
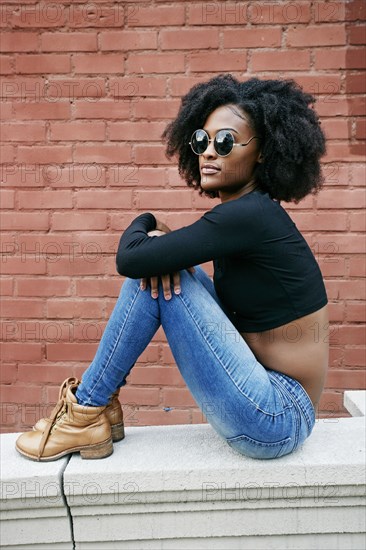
(214, 140)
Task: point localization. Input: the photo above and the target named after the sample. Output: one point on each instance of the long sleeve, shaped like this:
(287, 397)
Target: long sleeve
(227, 229)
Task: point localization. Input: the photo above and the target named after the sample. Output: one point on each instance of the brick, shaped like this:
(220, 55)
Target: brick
(346, 379)
(42, 63)
(334, 245)
(23, 132)
(355, 312)
(19, 41)
(6, 64)
(150, 154)
(68, 42)
(136, 131)
(346, 290)
(178, 397)
(355, 83)
(74, 88)
(43, 154)
(95, 15)
(77, 131)
(357, 221)
(22, 265)
(74, 309)
(70, 351)
(141, 16)
(43, 287)
(337, 128)
(341, 199)
(361, 128)
(39, 15)
(335, 61)
(7, 153)
(7, 199)
(186, 38)
(78, 266)
(327, 12)
(104, 199)
(331, 404)
(71, 175)
(98, 288)
(180, 85)
(355, 357)
(216, 13)
(8, 373)
(16, 308)
(310, 221)
(357, 268)
(155, 63)
(159, 376)
(328, 85)
(6, 287)
(356, 10)
(217, 62)
(252, 38)
(350, 334)
(164, 200)
(355, 58)
(45, 199)
(356, 34)
(79, 221)
(141, 417)
(105, 153)
(20, 220)
(131, 87)
(140, 396)
(318, 35)
(280, 60)
(42, 111)
(128, 40)
(21, 394)
(104, 109)
(99, 63)
(156, 109)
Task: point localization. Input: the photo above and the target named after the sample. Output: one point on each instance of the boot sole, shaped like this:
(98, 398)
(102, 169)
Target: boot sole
(118, 432)
(89, 452)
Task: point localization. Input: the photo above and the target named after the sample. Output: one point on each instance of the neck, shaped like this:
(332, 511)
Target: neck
(248, 188)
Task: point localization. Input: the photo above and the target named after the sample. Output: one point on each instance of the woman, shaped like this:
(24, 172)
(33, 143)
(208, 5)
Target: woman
(252, 346)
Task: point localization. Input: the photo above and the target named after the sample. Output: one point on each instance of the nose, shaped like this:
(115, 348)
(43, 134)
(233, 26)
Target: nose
(210, 151)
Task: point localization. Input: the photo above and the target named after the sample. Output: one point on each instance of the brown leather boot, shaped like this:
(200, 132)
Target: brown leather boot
(113, 412)
(71, 428)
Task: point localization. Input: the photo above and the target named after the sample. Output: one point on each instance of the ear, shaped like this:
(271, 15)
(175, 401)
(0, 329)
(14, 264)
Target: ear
(260, 158)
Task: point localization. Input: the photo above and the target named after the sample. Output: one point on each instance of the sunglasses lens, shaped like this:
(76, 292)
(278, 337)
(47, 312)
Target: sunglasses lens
(224, 142)
(199, 142)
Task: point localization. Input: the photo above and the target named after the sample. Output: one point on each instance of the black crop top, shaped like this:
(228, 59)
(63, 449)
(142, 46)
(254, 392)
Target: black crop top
(264, 271)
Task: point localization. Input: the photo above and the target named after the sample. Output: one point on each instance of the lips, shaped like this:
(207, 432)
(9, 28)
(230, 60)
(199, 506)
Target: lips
(210, 169)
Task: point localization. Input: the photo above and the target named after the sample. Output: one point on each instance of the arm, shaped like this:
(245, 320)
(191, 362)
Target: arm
(224, 230)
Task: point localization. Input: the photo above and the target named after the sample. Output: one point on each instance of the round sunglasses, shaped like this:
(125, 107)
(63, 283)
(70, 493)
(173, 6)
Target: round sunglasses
(224, 142)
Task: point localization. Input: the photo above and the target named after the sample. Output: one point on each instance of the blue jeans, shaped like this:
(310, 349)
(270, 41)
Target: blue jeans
(260, 412)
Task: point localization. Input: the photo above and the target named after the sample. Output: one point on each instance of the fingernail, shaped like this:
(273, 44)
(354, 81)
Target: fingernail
(177, 290)
(154, 294)
(168, 296)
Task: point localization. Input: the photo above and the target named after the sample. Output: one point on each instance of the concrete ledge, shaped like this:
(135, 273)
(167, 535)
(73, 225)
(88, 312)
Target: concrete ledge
(33, 509)
(355, 402)
(170, 487)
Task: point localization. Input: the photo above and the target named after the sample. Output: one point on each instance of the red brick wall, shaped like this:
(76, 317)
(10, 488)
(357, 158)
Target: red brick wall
(87, 89)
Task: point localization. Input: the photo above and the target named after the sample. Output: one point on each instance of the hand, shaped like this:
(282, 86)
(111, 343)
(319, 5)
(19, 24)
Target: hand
(160, 230)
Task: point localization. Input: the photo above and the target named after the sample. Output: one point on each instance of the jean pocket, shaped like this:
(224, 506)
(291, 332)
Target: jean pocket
(260, 449)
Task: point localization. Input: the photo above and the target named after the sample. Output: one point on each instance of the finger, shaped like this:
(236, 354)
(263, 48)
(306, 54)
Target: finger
(143, 284)
(191, 269)
(165, 280)
(154, 287)
(176, 282)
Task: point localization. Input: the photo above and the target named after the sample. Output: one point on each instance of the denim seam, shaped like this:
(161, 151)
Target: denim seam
(298, 405)
(115, 344)
(223, 366)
